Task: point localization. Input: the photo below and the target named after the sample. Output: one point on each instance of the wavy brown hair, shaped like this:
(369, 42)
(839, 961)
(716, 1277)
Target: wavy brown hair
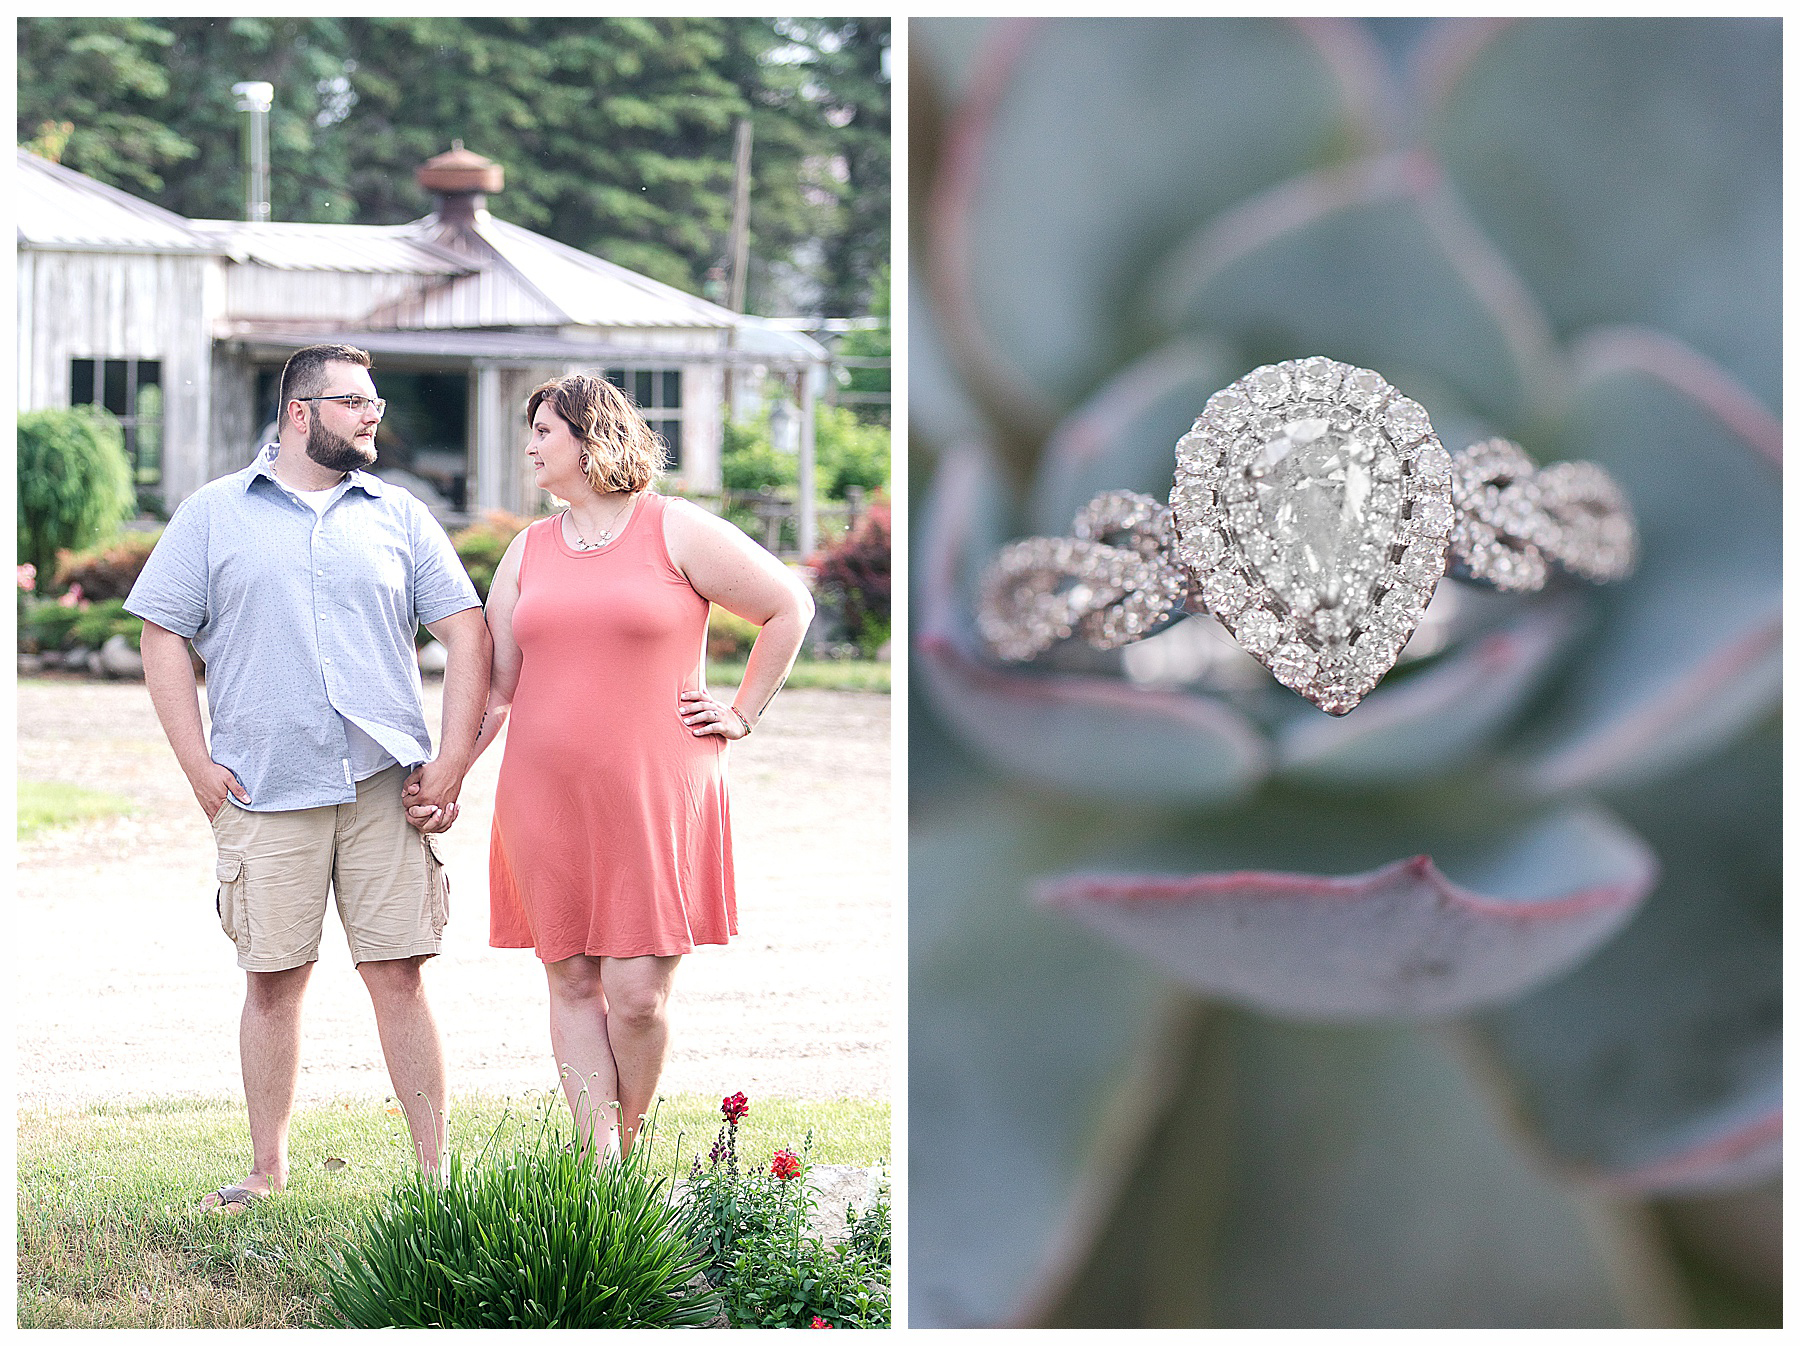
(623, 453)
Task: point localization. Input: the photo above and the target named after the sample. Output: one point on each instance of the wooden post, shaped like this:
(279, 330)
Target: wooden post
(809, 521)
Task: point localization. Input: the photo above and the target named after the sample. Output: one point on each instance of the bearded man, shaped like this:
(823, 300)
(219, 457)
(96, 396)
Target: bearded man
(302, 581)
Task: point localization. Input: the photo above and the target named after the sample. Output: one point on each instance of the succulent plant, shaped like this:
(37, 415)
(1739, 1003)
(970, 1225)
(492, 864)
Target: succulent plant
(1462, 1009)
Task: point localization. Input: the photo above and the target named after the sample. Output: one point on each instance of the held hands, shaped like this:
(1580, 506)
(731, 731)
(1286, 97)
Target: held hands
(430, 796)
(211, 786)
(702, 715)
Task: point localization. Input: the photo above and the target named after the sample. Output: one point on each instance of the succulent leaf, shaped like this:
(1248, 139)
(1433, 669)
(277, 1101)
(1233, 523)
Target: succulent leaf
(1438, 719)
(1050, 205)
(1371, 263)
(1020, 1027)
(1401, 941)
(1123, 438)
(1687, 652)
(1657, 1064)
(1631, 172)
(1080, 735)
(937, 406)
(1343, 1177)
(946, 51)
(1094, 1146)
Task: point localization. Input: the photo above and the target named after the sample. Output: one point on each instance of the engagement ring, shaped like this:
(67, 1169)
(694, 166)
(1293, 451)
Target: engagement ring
(1313, 513)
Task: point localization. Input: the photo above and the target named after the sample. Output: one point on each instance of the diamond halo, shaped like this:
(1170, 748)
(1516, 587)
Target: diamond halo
(1313, 513)
(1312, 508)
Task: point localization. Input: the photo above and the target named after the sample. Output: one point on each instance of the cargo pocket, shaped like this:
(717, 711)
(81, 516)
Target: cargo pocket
(230, 902)
(437, 887)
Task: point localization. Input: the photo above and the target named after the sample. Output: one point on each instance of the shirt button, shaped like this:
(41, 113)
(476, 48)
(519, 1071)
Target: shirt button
(328, 658)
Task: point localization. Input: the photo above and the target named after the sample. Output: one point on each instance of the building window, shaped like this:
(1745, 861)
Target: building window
(657, 393)
(132, 391)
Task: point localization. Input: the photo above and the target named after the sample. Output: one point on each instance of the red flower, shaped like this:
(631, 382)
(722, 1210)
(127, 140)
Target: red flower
(786, 1165)
(735, 1108)
(819, 1322)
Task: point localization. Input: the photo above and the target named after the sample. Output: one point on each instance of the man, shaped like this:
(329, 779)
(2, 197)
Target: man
(301, 581)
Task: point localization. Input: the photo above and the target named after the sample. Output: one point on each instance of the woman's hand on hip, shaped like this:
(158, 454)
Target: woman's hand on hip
(703, 715)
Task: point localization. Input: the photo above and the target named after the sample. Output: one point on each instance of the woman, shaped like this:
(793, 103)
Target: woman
(611, 845)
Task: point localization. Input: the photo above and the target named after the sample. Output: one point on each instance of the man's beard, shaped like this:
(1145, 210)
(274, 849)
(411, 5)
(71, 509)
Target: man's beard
(335, 453)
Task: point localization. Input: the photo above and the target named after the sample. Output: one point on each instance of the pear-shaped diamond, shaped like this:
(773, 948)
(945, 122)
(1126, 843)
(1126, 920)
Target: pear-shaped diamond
(1326, 531)
(1316, 499)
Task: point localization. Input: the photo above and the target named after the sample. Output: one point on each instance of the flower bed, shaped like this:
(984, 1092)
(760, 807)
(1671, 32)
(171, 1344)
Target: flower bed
(769, 1268)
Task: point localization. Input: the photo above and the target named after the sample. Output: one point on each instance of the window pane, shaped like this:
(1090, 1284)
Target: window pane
(642, 392)
(671, 388)
(81, 383)
(616, 377)
(148, 372)
(671, 433)
(149, 427)
(149, 453)
(118, 397)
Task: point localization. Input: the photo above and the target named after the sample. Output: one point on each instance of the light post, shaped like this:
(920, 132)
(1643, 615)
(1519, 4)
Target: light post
(256, 97)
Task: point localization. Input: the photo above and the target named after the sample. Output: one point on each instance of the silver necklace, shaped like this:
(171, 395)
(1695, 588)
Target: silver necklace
(605, 535)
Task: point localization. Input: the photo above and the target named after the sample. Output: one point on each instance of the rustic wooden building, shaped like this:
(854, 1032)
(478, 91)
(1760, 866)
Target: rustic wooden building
(181, 328)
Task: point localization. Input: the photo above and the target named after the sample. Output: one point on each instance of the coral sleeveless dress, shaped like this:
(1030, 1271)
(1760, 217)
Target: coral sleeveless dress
(612, 827)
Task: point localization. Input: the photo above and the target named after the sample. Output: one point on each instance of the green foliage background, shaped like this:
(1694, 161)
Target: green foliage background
(615, 133)
(846, 453)
(74, 482)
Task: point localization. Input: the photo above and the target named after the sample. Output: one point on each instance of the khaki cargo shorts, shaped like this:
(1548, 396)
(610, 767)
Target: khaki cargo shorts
(277, 869)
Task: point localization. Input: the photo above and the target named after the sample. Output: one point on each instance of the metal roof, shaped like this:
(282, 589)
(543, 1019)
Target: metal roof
(486, 346)
(591, 290)
(58, 208)
(480, 277)
(386, 249)
(536, 281)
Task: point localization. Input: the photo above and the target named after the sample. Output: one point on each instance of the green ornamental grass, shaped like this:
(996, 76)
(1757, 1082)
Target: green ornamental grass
(536, 1236)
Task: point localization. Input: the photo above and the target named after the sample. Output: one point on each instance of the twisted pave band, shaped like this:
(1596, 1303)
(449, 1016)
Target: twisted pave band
(1313, 512)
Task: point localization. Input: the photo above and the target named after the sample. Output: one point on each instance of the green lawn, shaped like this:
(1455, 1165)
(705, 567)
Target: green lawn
(111, 1235)
(837, 675)
(51, 803)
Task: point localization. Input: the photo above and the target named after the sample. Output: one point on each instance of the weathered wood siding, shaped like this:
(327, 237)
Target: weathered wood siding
(124, 306)
(235, 418)
(331, 299)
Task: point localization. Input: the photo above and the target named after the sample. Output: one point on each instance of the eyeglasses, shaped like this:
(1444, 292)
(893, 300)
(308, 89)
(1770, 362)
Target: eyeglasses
(355, 401)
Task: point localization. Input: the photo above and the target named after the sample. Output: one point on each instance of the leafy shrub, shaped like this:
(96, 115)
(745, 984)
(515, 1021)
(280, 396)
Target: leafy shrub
(541, 1236)
(849, 453)
(728, 636)
(74, 482)
(46, 626)
(856, 573)
(846, 453)
(770, 1269)
(871, 1233)
(790, 1283)
(749, 462)
(97, 622)
(481, 545)
(108, 570)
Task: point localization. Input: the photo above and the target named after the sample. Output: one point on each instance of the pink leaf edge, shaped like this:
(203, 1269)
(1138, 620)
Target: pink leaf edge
(984, 704)
(1401, 941)
(1743, 1156)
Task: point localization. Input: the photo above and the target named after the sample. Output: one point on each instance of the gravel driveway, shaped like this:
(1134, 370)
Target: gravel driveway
(125, 989)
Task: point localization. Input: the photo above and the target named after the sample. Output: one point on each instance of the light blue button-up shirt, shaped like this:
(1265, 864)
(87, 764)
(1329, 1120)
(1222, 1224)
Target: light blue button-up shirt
(304, 620)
